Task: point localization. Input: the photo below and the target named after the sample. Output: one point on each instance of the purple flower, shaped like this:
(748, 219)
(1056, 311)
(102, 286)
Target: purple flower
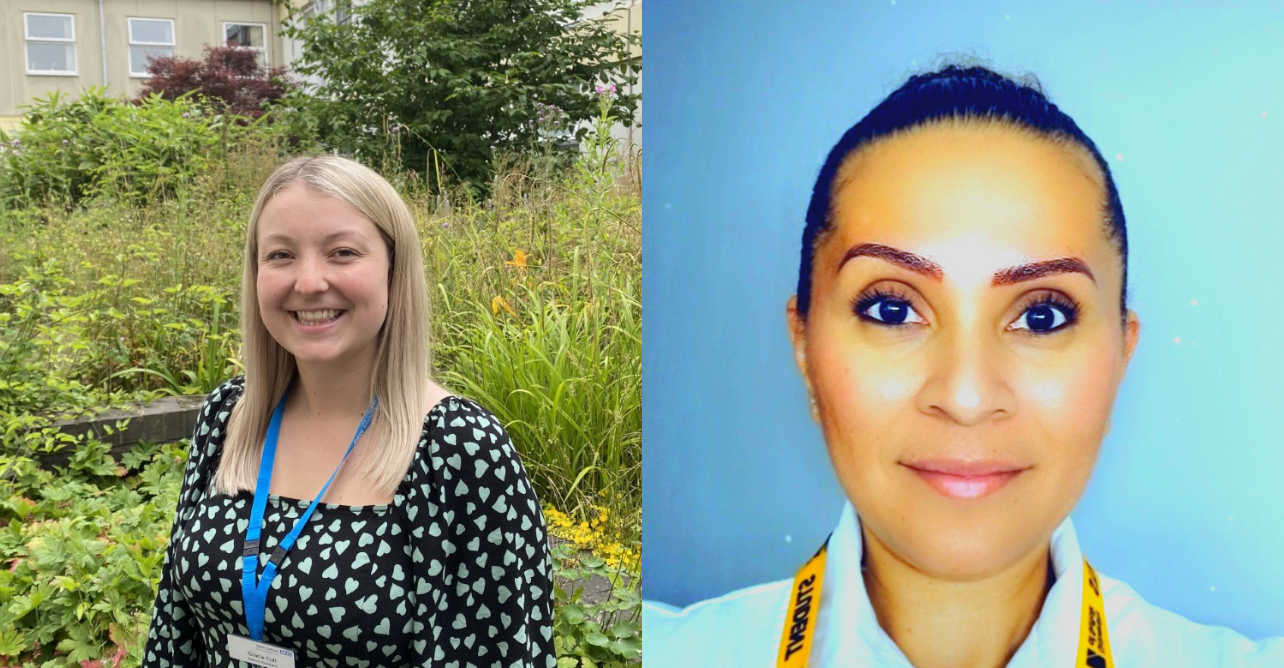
(445, 225)
(65, 142)
(395, 128)
(17, 143)
(187, 115)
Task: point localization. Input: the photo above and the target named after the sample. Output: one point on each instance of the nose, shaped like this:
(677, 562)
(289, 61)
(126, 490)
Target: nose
(311, 278)
(968, 382)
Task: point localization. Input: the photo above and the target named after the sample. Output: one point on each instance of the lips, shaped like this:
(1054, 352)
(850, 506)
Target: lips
(961, 479)
(316, 317)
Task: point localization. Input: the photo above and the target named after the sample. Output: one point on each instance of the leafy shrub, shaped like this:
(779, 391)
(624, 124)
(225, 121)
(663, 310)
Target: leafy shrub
(458, 80)
(83, 550)
(230, 79)
(66, 151)
(590, 635)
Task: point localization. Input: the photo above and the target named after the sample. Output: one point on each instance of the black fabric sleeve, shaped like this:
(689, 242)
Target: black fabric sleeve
(491, 601)
(173, 639)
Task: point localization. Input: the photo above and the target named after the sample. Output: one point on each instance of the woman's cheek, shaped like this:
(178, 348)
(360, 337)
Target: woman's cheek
(862, 393)
(1072, 397)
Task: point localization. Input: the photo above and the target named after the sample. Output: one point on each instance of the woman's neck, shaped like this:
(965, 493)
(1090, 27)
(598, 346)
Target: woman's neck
(332, 392)
(944, 624)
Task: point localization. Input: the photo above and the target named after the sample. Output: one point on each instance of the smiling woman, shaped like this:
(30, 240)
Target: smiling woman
(428, 547)
(961, 328)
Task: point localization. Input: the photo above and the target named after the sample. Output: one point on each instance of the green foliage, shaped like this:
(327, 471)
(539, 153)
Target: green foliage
(66, 150)
(454, 82)
(562, 377)
(590, 635)
(81, 336)
(82, 549)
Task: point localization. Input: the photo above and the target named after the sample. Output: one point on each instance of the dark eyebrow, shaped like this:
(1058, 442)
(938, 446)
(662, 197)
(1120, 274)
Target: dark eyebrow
(915, 263)
(1029, 272)
(921, 265)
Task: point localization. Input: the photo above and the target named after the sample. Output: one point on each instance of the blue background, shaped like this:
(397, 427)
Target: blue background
(743, 102)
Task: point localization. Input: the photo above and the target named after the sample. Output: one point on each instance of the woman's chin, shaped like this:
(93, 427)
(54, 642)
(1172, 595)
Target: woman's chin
(962, 553)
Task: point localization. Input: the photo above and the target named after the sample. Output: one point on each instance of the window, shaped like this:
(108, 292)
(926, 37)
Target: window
(248, 35)
(339, 9)
(149, 37)
(51, 43)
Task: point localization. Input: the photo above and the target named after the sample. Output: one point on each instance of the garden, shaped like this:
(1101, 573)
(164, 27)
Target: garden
(122, 225)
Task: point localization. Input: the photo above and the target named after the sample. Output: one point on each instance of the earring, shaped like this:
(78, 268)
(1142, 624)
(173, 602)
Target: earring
(815, 410)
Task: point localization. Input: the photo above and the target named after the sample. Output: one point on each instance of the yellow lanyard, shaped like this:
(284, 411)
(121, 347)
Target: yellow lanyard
(804, 608)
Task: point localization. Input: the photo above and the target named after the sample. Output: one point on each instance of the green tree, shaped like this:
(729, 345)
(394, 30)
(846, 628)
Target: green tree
(448, 84)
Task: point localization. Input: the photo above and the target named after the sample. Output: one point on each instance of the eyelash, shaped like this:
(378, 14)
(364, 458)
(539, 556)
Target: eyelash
(277, 254)
(1068, 307)
(863, 301)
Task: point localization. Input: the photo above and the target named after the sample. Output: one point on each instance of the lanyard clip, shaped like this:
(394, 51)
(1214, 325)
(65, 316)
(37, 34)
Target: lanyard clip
(251, 548)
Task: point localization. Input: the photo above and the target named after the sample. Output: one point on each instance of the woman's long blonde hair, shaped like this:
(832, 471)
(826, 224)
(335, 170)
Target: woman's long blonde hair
(401, 368)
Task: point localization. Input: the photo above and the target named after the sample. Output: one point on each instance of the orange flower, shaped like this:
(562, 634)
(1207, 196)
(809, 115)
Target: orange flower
(498, 303)
(519, 260)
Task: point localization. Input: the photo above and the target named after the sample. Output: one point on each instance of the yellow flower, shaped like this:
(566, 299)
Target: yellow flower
(591, 536)
(498, 303)
(519, 260)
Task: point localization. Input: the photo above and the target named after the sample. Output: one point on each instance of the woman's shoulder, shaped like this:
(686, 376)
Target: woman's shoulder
(1144, 634)
(466, 445)
(221, 399)
(454, 416)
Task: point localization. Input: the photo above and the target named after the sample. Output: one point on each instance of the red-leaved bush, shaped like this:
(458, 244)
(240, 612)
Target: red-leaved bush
(229, 77)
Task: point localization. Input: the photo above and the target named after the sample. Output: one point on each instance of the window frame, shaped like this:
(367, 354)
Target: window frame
(28, 39)
(267, 53)
(133, 42)
(339, 11)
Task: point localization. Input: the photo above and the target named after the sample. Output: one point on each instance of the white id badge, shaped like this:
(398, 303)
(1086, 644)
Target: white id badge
(259, 653)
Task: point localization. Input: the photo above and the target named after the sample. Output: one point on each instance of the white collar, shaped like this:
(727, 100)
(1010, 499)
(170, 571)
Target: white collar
(849, 634)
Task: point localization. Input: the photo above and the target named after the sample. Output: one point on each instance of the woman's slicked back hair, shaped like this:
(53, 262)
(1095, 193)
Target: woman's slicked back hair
(954, 94)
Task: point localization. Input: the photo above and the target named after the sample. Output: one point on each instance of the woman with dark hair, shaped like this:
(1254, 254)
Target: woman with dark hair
(961, 326)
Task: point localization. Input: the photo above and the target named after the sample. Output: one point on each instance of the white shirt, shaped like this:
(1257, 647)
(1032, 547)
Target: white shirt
(743, 628)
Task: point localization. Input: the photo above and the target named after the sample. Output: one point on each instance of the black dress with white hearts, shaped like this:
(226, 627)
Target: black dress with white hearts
(455, 572)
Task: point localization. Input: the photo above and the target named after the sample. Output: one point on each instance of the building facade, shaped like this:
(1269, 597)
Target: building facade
(71, 45)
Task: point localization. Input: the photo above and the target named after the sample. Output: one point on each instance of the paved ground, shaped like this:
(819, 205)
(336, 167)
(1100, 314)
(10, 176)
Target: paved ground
(596, 589)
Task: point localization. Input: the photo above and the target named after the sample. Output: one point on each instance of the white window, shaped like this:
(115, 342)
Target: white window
(51, 43)
(340, 10)
(248, 35)
(149, 37)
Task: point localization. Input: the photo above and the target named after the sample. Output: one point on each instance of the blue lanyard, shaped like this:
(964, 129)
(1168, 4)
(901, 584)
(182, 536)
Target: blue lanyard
(254, 593)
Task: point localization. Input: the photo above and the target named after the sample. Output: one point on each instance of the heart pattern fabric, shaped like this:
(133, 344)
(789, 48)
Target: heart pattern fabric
(454, 572)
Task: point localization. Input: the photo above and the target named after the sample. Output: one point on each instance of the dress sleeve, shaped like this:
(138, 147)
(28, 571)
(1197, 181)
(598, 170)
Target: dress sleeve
(173, 639)
(488, 565)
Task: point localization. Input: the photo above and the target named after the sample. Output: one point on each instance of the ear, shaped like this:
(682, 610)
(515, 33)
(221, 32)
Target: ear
(798, 335)
(1132, 333)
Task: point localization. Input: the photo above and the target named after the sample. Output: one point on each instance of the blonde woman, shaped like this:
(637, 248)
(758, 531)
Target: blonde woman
(338, 507)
